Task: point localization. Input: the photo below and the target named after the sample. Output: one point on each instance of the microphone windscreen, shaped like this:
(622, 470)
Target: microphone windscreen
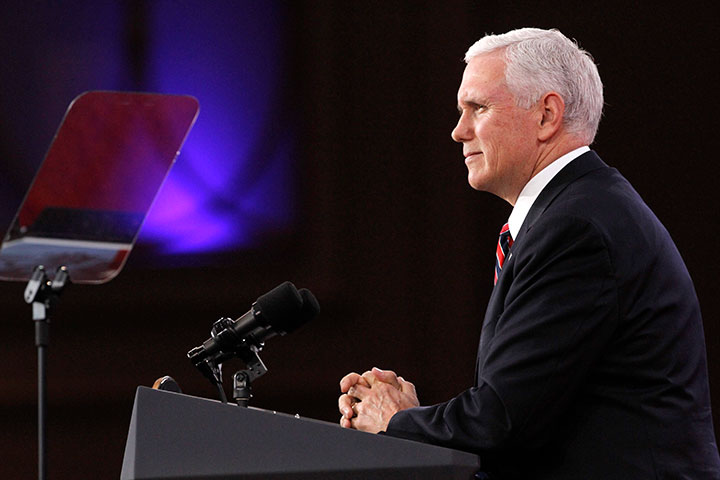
(280, 304)
(310, 308)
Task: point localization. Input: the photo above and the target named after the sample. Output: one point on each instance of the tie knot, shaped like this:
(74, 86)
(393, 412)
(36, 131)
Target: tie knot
(504, 243)
(506, 239)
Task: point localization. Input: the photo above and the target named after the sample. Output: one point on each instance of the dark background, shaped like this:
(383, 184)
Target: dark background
(388, 235)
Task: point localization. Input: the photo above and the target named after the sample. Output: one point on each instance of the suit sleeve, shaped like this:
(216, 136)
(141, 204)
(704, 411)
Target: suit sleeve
(558, 313)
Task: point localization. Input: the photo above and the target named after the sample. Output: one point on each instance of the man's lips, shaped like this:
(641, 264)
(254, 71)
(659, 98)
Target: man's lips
(470, 154)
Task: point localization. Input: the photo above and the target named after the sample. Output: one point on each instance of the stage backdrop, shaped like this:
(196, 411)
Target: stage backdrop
(322, 155)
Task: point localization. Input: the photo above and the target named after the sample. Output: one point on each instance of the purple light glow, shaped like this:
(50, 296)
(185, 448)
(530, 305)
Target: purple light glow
(233, 181)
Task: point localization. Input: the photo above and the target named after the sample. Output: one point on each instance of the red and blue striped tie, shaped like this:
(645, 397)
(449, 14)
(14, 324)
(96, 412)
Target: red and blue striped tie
(503, 247)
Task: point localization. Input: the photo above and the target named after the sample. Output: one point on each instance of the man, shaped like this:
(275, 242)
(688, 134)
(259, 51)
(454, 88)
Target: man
(591, 362)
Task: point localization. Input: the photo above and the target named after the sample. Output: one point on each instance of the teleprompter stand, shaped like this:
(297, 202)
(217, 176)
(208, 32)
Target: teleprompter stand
(43, 293)
(85, 207)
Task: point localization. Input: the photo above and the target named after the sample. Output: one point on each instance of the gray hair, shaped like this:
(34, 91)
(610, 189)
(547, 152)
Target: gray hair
(539, 61)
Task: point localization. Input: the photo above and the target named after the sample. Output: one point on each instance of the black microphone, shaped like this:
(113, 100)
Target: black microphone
(278, 312)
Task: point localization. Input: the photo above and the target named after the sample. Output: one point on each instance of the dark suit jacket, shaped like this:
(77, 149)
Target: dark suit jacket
(592, 360)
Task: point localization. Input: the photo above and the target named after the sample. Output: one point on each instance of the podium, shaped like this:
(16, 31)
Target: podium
(176, 436)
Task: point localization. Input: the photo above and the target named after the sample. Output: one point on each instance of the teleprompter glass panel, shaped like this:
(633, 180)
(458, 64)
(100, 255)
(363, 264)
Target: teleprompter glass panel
(92, 192)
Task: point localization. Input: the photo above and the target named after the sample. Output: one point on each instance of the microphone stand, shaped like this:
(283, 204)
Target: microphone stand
(242, 390)
(43, 294)
(246, 349)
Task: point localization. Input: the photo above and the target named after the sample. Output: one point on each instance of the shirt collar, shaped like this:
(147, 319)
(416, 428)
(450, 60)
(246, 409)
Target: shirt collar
(532, 189)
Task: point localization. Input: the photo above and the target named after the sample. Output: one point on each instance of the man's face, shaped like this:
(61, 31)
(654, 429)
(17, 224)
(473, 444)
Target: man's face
(499, 139)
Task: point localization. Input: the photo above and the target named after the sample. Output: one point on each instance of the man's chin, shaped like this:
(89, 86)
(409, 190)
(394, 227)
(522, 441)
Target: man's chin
(476, 182)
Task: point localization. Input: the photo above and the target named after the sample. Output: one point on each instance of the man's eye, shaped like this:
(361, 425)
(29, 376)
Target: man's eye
(474, 108)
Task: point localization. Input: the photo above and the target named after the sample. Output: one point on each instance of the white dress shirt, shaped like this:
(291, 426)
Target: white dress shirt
(532, 189)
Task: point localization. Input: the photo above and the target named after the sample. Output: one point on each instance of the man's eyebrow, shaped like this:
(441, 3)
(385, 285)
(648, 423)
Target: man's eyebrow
(470, 103)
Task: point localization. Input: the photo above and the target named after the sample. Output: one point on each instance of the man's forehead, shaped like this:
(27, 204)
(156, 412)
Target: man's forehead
(487, 67)
(483, 74)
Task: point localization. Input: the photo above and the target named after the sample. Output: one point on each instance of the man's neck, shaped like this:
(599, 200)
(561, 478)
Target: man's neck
(555, 151)
(548, 155)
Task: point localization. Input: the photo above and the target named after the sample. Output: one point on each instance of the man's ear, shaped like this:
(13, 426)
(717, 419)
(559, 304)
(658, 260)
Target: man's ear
(552, 109)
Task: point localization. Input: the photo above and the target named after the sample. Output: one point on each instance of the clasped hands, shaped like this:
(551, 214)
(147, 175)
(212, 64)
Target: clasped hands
(368, 401)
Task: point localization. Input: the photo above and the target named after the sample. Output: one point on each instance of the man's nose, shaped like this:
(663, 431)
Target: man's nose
(462, 131)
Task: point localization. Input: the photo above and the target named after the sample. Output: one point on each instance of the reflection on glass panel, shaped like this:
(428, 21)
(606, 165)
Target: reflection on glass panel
(88, 200)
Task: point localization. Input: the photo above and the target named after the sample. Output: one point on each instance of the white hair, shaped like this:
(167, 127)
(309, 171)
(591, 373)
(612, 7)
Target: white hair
(540, 61)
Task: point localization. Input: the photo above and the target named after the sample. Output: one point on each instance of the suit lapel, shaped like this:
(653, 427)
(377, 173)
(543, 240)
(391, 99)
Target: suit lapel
(585, 163)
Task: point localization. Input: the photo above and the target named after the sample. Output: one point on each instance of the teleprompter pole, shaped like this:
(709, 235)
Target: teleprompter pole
(43, 294)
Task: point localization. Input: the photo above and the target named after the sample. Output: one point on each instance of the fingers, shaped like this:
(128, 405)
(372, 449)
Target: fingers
(359, 391)
(385, 376)
(348, 381)
(369, 400)
(379, 404)
(345, 403)
(351, 379)
(368, 378)
(407, 387)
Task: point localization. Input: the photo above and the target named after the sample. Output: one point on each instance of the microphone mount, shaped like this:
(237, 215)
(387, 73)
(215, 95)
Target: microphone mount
(277, 312)
(246, 349)
(242, 390)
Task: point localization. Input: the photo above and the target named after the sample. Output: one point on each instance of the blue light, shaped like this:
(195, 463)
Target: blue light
(233, 180)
